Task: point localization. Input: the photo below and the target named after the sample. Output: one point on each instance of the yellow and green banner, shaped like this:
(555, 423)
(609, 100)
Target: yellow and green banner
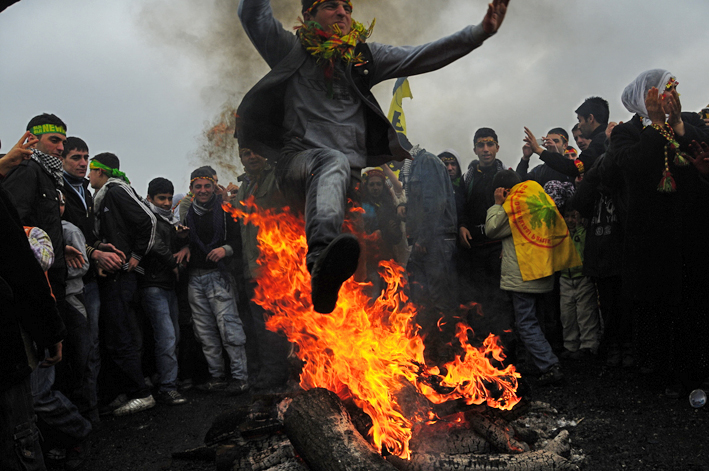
(542, 240)
(396, 110)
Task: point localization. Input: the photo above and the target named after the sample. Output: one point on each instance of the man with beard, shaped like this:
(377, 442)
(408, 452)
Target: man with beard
(315, 114)
(213, 237)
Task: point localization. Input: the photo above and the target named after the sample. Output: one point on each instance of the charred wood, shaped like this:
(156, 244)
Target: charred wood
(500, 437)
(323, 435)
(560, 445)
(267, 456)
(534, 461)
(454, 442)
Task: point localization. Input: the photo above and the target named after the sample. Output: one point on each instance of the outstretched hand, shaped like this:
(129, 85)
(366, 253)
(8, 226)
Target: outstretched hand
(495, 15)
(701, 157)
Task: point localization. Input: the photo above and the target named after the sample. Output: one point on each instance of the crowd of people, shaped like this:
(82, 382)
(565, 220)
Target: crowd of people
(117, 301)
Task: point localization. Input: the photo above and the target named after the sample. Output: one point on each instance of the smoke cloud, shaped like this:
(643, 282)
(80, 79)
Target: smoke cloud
(547, 58)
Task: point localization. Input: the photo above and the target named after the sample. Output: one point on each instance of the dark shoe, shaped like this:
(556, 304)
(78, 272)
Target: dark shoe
(171, 398)
(237, 387)
(613, 357)
(569, 355)
(213, 385)
(113, 405)
(75, 457)
(55, 458)
(551, 376)
(185, 384)
(333, 267)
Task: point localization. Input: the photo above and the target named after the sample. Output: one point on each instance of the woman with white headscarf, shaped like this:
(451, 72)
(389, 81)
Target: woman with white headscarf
(666, 253)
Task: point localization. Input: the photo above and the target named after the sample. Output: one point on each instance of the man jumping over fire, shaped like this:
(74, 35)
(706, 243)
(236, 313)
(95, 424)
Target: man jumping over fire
(315, 115)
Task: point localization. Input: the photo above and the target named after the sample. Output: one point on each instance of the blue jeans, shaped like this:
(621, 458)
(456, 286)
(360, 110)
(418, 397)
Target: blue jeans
(530, 332)
(59, 419)
(316, 180)
(216, 322)
(122, 334)
(161, 307)
(92, 301)
(19, 438)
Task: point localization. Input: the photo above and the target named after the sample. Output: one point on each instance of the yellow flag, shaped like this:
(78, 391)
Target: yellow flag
(542, 240)
(396, 111)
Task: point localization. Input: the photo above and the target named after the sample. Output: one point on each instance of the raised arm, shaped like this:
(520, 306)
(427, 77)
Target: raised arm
(393, 61)
(266, 33)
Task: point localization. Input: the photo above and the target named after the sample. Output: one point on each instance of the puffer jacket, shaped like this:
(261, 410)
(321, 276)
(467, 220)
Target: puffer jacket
(497, 226)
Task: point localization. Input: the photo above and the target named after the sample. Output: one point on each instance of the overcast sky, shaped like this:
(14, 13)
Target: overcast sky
(145, 78)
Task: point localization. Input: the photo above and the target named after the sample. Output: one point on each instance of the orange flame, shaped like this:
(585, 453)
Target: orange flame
(365, 350)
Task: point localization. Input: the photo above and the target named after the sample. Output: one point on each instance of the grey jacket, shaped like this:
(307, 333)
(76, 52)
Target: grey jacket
(261, 113)
(497, 226)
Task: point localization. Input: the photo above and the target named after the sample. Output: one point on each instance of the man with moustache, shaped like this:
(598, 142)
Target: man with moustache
(213, 238)
(315, 114)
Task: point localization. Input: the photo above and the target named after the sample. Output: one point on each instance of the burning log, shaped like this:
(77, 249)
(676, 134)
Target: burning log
(454, 442)
(541, 460)
(500, 437)
(323, 435)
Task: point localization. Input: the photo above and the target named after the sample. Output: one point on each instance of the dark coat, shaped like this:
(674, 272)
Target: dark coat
(25, 299)
(603, 206)
(159, 263)
(126, 222)
(541, 174)
(664, 253)
(261, 112)
(34, 194)
(82, 217)
(586, 159)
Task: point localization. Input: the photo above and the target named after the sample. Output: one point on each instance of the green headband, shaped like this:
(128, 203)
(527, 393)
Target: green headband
(112, 172)
(47, 129)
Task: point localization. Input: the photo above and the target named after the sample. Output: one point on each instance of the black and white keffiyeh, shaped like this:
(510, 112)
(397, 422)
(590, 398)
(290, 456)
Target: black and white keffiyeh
(50, 164)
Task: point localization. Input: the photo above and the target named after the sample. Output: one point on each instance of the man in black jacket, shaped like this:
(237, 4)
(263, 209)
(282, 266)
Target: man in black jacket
(480, 280)
(593, 118)
(79, 210)
(29, 315)
(157, 290)
(124, 221)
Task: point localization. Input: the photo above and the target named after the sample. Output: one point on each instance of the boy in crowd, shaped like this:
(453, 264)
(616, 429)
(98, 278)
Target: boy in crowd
(525, 290)
(124, 221)
(213, 237)
(157, 289)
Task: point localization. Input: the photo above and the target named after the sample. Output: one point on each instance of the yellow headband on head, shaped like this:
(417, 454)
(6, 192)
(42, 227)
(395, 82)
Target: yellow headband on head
(48, 129)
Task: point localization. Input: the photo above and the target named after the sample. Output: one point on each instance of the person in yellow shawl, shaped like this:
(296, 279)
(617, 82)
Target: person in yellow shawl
(535, 244)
